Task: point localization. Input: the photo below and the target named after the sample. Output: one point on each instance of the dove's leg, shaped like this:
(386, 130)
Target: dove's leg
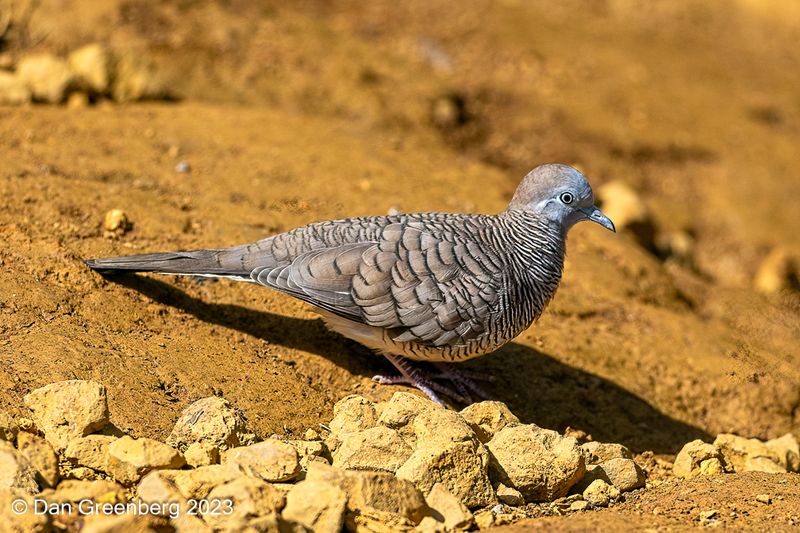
(463, 383)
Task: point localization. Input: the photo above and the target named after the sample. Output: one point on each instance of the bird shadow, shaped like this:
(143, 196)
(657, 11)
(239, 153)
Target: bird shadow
(537, 387)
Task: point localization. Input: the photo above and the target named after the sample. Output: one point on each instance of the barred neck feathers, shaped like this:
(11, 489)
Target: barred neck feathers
(537, 259)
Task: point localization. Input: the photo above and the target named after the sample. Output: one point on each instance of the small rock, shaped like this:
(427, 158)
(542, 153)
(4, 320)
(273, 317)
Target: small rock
(402, 408)
(540, 463)
(41, 456)
(374, 492)
(249, 497)
(141, 456)
(90, 451)
(449, 111)
(15, 471)
(48, 77)
(777, 272)
(708, 515)
(312, 434)
(136, 79)
(626, 208)
(73, 491)
(197, 483)
(316, 505)
(270, 460)
(27, 522)
(183, 167)
(91, 66)
(448, 509)
(624, 474)
(68, 409)
(201, 454)
(430, 525)
(116, 221)
(378, 448)
(484, 519)
(213, 420)
(578, 505)
(766, 499)
(78, 100)
(787, 450)
(748, 455)
(599, 493)
(509, 496)
(353, 413)
(699, 458)
(487, 418)
(598, 452)
(158, 488)
(8, 427)
(124, 523)
(13, 91)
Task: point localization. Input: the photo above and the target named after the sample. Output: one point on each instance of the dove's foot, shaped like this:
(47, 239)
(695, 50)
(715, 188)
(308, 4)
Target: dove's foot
(462, 382)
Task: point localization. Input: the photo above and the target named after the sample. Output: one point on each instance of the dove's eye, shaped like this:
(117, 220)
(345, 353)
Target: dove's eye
(567, 197)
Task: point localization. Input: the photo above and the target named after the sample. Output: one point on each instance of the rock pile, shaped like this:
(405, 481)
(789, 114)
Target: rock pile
(732, 453)
(401, 465)
(91, 72)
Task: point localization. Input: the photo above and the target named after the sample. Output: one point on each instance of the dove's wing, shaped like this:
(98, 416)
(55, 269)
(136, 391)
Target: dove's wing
(424, 283)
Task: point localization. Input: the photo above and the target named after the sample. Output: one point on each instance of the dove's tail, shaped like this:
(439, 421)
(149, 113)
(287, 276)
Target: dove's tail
(233, 262)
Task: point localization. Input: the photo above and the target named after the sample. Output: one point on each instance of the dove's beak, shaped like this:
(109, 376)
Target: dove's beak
(595, 215)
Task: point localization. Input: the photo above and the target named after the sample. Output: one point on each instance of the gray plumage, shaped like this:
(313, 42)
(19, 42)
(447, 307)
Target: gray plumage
(433, 286)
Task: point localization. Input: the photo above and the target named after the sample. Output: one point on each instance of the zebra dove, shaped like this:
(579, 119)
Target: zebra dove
(433, 287)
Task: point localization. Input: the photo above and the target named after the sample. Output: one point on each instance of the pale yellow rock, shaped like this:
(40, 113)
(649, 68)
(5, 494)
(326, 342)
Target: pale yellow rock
(197, 483)
(626, 208)
(508, 495)
(124, 523)
(434, 427)
(578, 505)
(48, 77)
(599, 493)
(139, 456)
(158, 487)
(41, 456)
(213, 420)
(540, 463)
(698, 458)
(117, 221)
(748, 455)
(402, 408)
(430, 525)
(91, 452)
(201, 454)
(461, 466)
(270, 460)
(777, 272)
(316, 505)
(8, 427)
(13, 91)
(311, 434)
(68, 410)
(448, 509)
(487, 418)
(70, 490)
(378, 448)
(25, 522)
(374, 492)
(787, 451)
(246, 497)
(353, 413)
(624, 474)
(136, 78)
(15, 470)
(597, 452)
(310, 451)
(92, 66)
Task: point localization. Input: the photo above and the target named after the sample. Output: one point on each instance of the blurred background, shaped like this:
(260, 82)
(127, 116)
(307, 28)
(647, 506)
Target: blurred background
(144, 125)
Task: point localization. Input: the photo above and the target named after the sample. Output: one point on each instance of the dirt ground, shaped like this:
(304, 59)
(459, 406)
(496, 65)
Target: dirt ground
(325, 109)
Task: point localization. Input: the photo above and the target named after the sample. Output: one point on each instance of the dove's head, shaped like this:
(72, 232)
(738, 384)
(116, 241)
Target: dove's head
(561, 194)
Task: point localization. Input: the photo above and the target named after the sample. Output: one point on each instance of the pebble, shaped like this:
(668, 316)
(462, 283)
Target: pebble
(183, 167)
(766, 499)
(116, 221)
